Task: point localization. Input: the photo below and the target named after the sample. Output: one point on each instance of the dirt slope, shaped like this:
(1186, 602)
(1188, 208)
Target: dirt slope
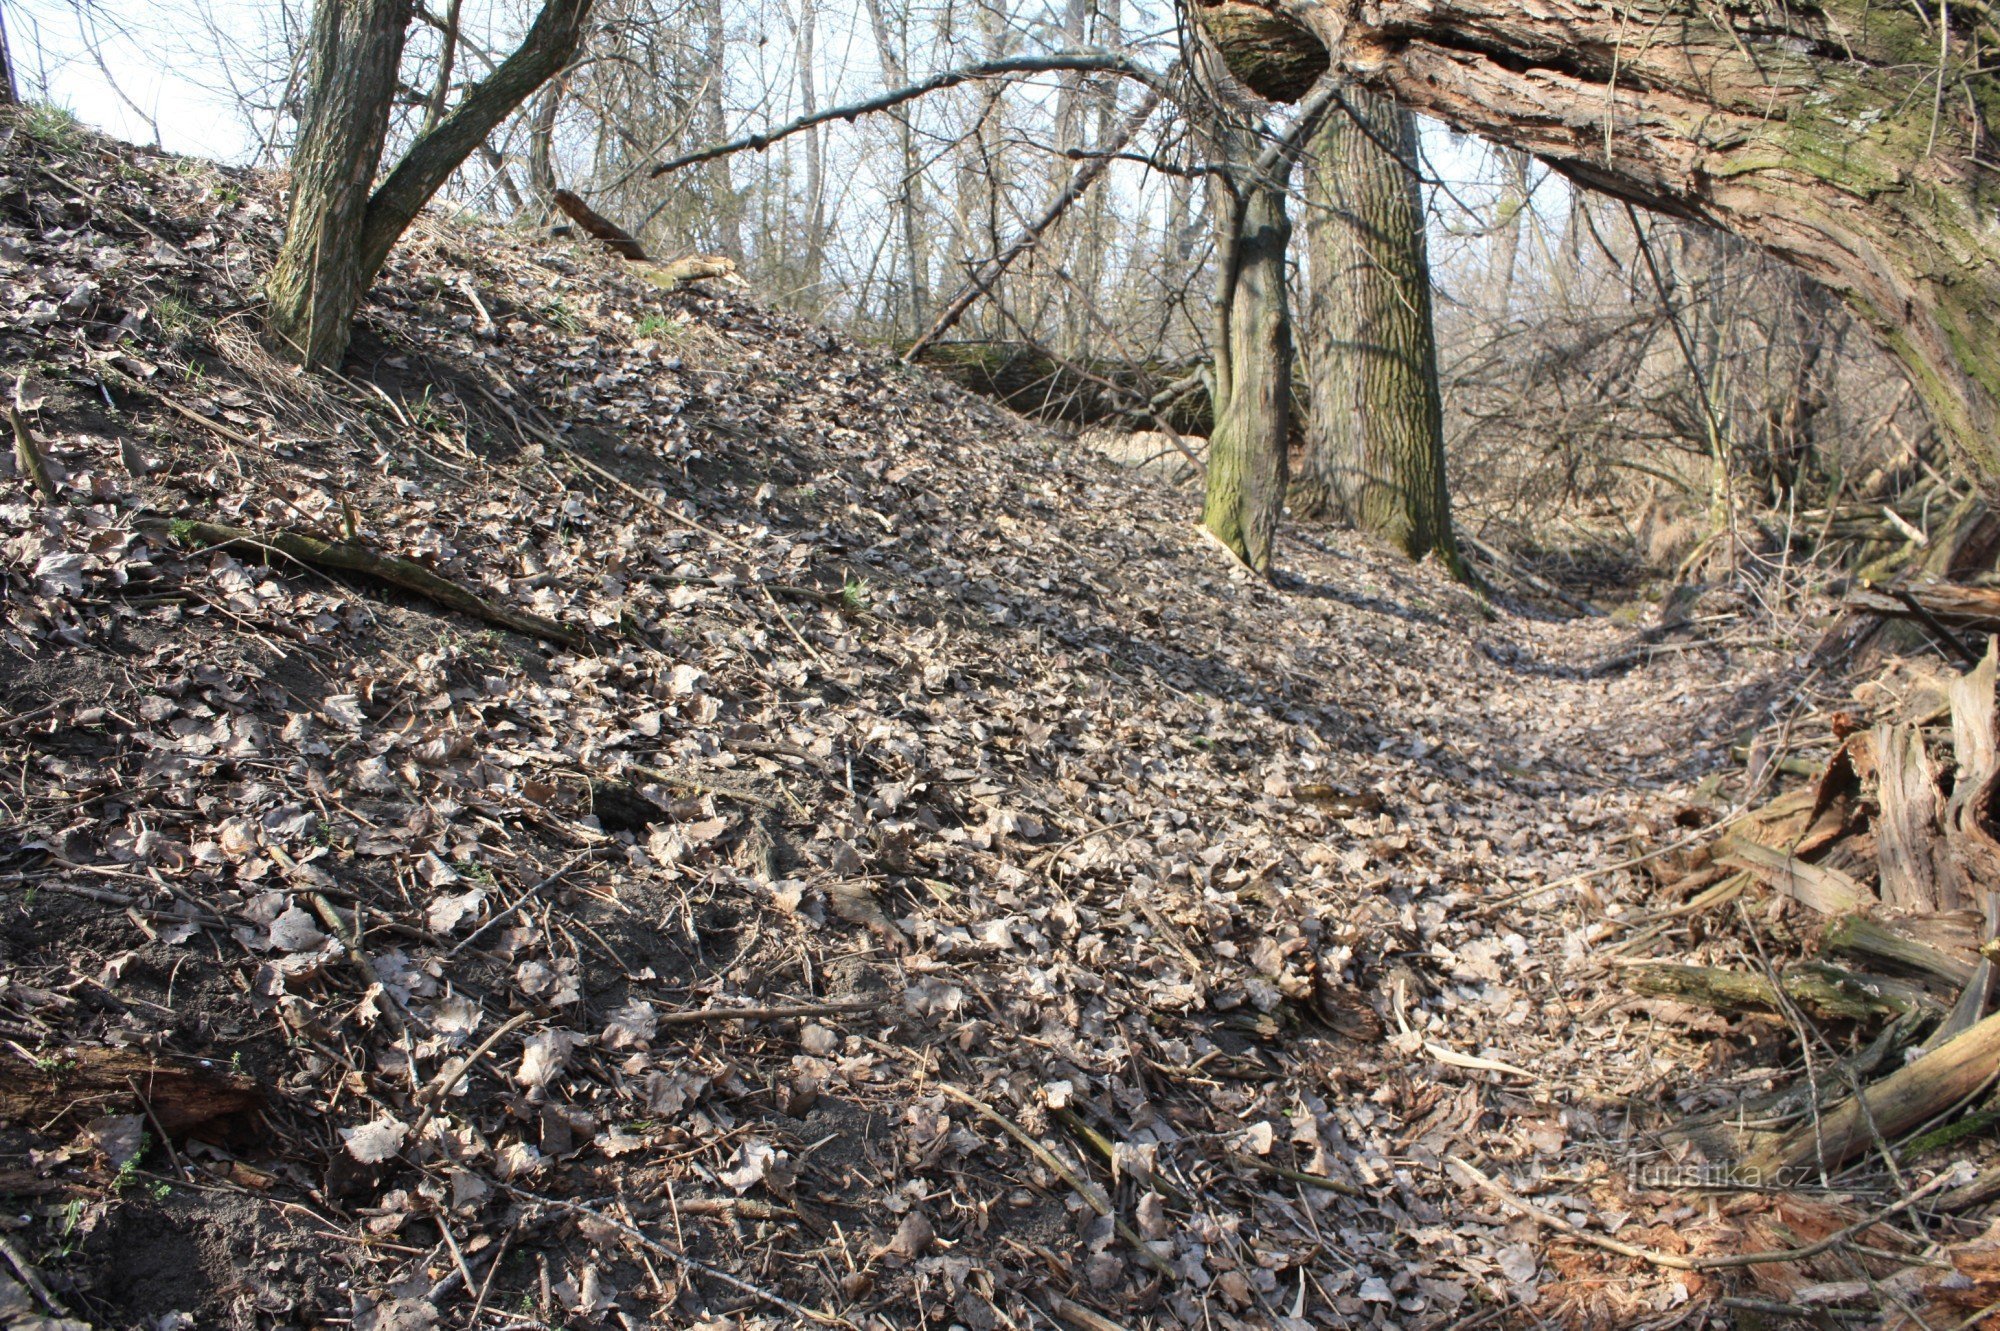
(887, 706)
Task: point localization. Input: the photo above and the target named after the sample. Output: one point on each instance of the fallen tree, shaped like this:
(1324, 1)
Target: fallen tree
(1843, 136)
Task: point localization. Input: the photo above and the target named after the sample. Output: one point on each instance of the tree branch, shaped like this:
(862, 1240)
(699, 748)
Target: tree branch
(1100, 62)
(550, 43)
(1080, 180)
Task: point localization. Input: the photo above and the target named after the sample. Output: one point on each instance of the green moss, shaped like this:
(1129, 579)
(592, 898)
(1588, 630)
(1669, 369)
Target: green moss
(1270, 54)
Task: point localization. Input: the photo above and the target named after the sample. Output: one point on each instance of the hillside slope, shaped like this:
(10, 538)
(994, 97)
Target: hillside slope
(1017, 811)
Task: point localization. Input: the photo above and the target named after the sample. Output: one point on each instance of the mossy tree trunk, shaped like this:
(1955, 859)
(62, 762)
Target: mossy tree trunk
(1849, 137)
(1375, 424)
(1252, 348)
(338, 231)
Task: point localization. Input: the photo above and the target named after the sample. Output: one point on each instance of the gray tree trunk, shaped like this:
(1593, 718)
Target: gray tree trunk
(337, 233)
(1253, 371)
(1375, 426)
(317, 283)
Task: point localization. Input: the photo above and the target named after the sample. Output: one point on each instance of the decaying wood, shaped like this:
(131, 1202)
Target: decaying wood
(1876, 944)
(1906, 829)
(1952, 604)
(28, 457)
(180, 1094)
(616, 238)
(1905, 1099)
(690, 268)
(1823, 991)
(350, 557)
(1828, 891)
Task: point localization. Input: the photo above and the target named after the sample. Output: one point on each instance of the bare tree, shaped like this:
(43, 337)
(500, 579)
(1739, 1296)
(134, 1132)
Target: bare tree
(1848, 137)
(338, 232)
(1251, 345)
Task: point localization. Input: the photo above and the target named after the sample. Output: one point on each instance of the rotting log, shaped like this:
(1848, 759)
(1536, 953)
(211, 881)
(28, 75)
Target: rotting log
(1906, 1098)
(1083, 391)
(599, 227)
(1876, 944)
(350, 557)
(1958, 606)
(179, 1094)
(1823, 991)
(1846, 137)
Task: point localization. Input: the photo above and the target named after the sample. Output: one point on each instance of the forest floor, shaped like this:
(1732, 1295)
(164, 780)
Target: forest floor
(1135, 943)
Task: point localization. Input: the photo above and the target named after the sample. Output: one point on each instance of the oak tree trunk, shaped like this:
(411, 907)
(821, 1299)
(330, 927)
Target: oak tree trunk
(1375, 424)
(337, 232)
(1848, 137)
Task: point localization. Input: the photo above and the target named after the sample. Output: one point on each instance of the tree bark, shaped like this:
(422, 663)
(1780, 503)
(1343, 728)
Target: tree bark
(1845, 136)
(1251, 388)
(10, 92)
(317, 282)
(1375, 427)
(338, 234)
(1253, 373)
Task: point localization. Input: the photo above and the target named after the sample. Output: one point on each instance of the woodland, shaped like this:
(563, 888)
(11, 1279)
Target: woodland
(1086, 665)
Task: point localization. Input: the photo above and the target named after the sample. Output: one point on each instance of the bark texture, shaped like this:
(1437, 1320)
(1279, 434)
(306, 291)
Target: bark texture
(1375, 425)
(1846, 136)
(1252, 390)
(337, 232)
(317, 282)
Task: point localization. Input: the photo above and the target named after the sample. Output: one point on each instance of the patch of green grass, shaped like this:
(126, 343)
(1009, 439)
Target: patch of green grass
(655, 325)
(431, 414)
(53, 126)
(178, 318)
(560, 316)
(856, 596)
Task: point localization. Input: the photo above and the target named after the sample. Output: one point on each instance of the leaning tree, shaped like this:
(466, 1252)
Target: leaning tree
(1846, 136)
(340, 224)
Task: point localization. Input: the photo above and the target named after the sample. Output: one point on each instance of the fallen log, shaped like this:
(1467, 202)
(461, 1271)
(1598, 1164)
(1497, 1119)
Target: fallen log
(1950, 603)
(1826, 992)
(1876, 944)
(351, 557)
(616, 238)
(1828, 891)
(177, 1095)
(1078, 391)
(1905, 1099)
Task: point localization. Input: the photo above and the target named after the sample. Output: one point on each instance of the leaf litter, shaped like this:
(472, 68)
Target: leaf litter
(936, 890)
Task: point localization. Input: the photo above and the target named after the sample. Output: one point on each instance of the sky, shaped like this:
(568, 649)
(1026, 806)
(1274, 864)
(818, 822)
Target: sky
(142, 70)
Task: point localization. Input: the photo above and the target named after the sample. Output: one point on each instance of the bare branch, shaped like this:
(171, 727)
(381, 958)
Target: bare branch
(1100, 62)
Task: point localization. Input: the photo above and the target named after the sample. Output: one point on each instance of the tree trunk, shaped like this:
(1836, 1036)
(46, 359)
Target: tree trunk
(812, 261)
(727, 206)
(317, 283)
(916, 234)
(337, 235)
(1252, 338)
(10, 92)
(1844, 136)
(541, 147)
(1375, 429)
